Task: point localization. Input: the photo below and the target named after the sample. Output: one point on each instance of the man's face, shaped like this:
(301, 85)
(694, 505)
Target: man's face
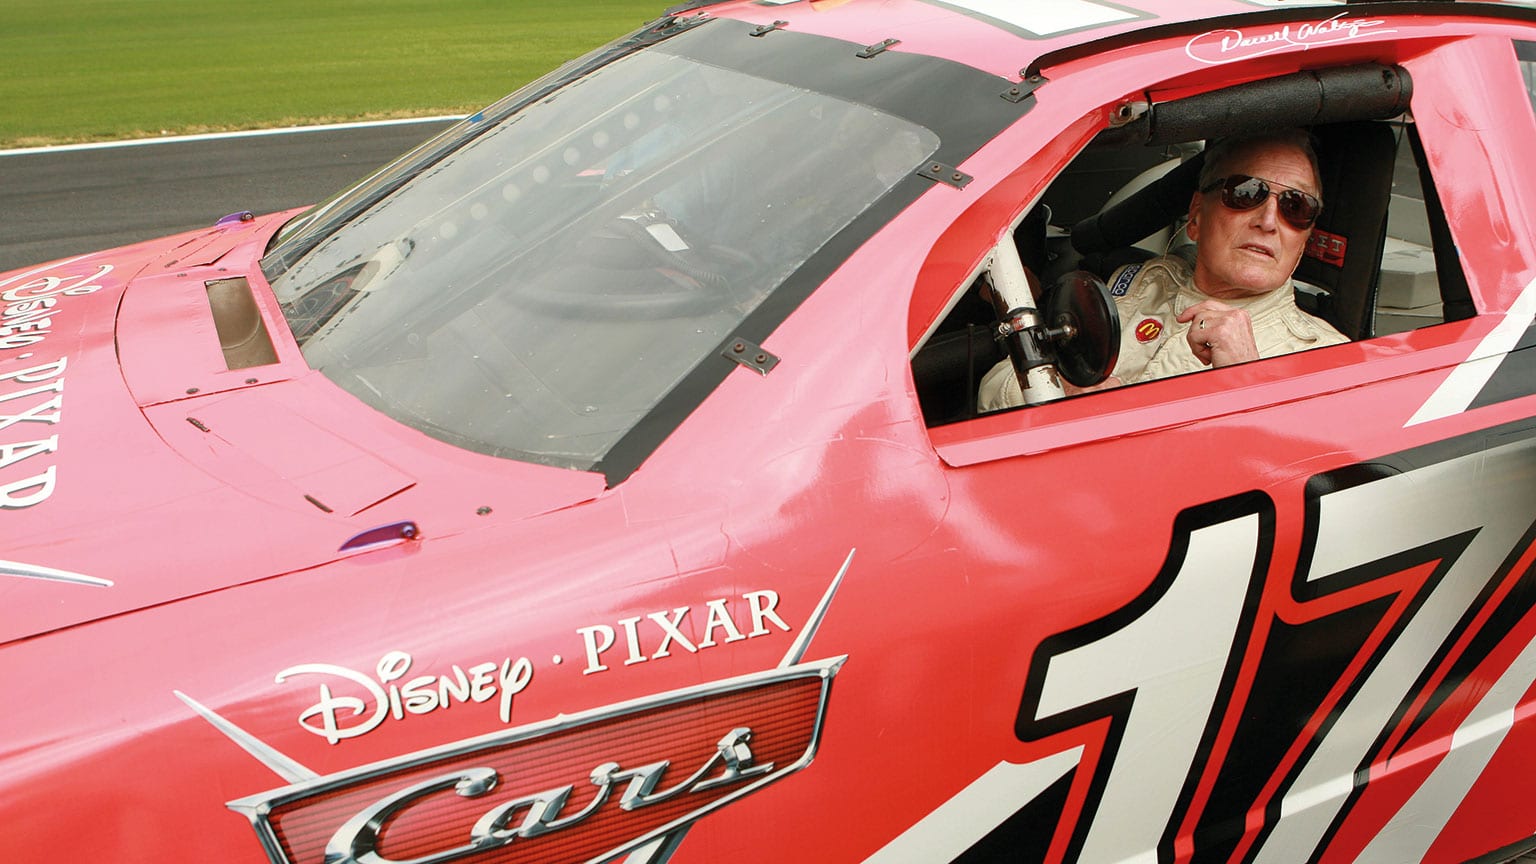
(1245, 253)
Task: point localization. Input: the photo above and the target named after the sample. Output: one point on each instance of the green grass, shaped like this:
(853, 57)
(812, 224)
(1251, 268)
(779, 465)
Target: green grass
(87, 70)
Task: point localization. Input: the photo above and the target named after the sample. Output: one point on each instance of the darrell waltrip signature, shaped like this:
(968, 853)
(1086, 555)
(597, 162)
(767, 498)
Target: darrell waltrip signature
(1230, 45)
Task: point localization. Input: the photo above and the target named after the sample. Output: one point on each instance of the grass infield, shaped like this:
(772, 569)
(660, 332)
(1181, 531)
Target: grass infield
(93, 70)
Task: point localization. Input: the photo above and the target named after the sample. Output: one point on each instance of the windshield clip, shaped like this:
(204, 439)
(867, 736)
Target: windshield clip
(753, 357)
(765, 29)
(1026, 88)
(676, 24)
(945, 174)
(877, 48)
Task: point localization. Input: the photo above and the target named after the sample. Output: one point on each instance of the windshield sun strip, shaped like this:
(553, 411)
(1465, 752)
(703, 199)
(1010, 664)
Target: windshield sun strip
(308, 230)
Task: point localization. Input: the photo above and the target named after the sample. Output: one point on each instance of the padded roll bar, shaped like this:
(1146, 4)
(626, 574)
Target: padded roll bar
(1370, 91)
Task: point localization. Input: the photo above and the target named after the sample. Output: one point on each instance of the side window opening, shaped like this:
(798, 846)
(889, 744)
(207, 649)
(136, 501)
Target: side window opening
(1525, 52)
(1380, 262)
(1409, 295)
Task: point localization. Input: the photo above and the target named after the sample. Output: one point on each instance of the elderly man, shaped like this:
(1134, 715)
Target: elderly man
(1250, 219)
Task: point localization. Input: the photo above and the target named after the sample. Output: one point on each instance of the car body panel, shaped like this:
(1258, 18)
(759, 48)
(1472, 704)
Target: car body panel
(1275, 612)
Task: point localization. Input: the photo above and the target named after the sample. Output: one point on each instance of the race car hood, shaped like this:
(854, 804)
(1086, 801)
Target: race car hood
(142, 460)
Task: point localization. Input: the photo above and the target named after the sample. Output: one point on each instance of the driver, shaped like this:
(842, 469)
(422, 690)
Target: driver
(1232, 299)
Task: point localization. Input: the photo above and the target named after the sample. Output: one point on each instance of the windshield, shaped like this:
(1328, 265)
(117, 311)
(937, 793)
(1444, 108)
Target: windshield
(537, 291)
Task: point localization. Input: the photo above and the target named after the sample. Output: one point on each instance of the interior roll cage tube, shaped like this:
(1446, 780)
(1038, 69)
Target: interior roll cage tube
(1369, 91)
(1074, 334)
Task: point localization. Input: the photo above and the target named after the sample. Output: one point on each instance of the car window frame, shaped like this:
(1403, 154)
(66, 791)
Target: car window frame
(1096, 417)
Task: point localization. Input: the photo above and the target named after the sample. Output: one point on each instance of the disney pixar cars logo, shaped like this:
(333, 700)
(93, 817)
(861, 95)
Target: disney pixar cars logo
(579, 788)
(27, 310)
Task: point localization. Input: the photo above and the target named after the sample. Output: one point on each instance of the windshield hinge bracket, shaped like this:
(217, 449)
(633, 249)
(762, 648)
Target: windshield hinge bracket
(765, 29)
(753, 357)
(877, 48)
(945, 174)
(1025, 88)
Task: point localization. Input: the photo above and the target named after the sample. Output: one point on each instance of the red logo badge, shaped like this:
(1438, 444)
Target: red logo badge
(578, 788)
(574, 789)
(1327, 247)
(1148, 330)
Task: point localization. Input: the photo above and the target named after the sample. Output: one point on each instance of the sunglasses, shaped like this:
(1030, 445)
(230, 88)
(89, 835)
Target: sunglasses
(1241, 192)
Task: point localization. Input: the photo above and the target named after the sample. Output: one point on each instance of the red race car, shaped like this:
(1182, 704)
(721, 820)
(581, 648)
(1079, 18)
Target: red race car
(622, 476)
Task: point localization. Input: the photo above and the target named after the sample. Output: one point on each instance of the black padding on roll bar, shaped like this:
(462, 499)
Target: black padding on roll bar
(1370, 91)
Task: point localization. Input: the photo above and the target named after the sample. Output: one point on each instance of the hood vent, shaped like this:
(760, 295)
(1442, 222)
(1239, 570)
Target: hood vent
(242, 331)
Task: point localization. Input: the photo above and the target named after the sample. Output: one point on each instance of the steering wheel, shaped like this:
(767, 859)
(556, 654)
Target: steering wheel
(641, 266)
(1078, 308)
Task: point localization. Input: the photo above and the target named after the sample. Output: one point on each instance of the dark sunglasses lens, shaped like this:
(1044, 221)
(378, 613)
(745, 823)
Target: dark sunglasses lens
(1244, 193)
(1241, 192)
(1298, 208)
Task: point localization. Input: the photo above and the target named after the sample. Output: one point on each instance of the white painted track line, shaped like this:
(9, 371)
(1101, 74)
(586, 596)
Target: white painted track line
(221, 136)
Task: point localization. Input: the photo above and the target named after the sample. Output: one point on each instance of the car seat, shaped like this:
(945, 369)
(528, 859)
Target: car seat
(1343, 257)
(1341, 266)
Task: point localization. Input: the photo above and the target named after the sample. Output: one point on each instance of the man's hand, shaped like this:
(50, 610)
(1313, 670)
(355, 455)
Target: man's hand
(1219, 334)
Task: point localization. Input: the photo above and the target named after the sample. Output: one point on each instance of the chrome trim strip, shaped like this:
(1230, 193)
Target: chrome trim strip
(658, 851)
(280, 764)
(32, 571)
(813, 623)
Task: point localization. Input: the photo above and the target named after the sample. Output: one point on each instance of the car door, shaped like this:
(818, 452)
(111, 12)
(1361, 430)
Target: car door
(1277, 611)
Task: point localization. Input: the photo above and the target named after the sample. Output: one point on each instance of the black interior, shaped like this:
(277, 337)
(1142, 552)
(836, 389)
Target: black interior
(1071, 229)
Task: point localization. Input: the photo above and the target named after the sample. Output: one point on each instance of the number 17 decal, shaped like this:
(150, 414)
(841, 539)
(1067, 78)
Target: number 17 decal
(1239, 711)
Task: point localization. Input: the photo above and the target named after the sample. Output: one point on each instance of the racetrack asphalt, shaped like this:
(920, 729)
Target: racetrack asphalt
(64, 202)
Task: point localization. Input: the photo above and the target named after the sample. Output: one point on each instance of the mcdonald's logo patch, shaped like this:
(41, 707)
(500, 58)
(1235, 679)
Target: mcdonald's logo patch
(1148, 330)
